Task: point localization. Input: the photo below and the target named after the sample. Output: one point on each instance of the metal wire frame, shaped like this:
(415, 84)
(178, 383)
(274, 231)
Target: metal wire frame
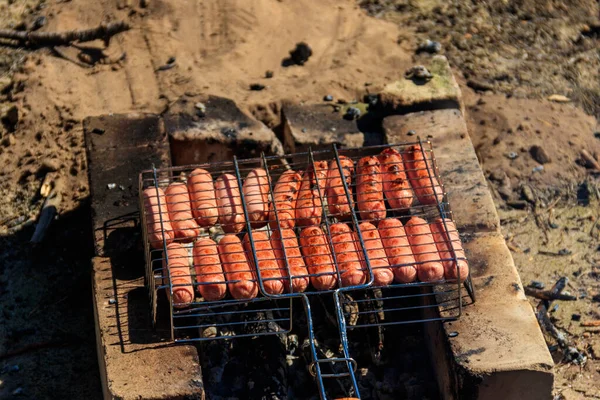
(225, 309)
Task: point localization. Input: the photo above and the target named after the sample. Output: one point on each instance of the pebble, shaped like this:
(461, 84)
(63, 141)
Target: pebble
(328, 98)
(10, 115)
(512, 155)
(429, 46)
(564, 252)
(257, 86)
(539, 168)
(418, 72)
(558, 98)
(112, 301)
(536, 285)
(144, 3)
(201, 107)
(453, 334)
(38, 23)
(411, 133)
(269, 74)
(9, 140)
(50, 165)
(539, 154)
(352, 113)
(5, 84)
(111, 186)
(575, 317)
(301, 53)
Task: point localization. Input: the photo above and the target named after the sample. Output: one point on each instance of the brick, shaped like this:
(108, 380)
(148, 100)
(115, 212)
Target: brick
(317, 126)
(441, 91)
(134, 363)
(216, 133)
(463, 180)
(118, 147)
(498, 347)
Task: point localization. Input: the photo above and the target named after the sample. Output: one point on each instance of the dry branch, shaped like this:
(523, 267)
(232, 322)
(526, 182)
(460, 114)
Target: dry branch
(548, 294)
(104, 32)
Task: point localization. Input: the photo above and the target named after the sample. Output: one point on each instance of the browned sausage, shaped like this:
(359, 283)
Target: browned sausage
(445, 241)
(209, 272)
(382, 273)
(308, 204)
(396, 187)
(154, 212)
(256, 195)
(284, 198)
(398, 250)
(270, 273)
(427, 188)
(181, 278)
(229, 201)
(337, 201)
(180, 212)
(202, 198)
(285, 240)
(370, 189)
(236, 267)
(318, 258)
(348, 262)
(429, 267)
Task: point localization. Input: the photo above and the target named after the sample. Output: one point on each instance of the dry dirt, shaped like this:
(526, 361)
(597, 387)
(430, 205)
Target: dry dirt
(515, 52)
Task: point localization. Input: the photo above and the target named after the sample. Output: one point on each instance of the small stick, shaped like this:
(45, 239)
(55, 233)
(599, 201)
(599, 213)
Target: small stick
(49, 210)
(33, 39)
(548, 295)
(591, 323)
(590, 161)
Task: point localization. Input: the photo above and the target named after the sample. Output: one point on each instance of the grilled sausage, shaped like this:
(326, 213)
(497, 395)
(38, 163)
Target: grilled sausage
(348, 262)
(284, 198)
(155, 206)
(180, 212)
(229, 202)
(285, 240)
(429, 267)
(337, 201)
(202, 198)
(179, 271)
(270, 273)
(209, 272)
(308, 204)
(318, 259)
(370, 189)
(256, 195)
(236, 267)
(382, 273)
(445, 241)
(396, 187)
(426, 187)
(397, 250)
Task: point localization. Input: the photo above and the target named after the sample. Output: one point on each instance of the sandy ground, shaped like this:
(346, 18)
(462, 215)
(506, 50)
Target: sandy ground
(222, 47)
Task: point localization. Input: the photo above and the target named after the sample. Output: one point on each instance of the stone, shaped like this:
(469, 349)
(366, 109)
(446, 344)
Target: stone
(10, 116)
(318, 127)
(539, 154)
(216, 134)
(461, 175)
(441, 91)
(134, 362)
(5, 84)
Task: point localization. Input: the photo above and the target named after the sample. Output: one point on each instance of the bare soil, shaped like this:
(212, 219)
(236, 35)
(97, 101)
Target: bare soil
(509, 56)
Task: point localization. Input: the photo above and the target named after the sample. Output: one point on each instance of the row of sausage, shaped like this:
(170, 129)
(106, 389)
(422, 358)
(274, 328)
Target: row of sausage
(296, 196)
(417, 251)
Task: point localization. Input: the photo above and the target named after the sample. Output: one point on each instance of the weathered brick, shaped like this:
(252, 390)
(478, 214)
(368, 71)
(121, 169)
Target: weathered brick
(457, 162)
(317, 126)
(211, 129)
(406, 95)
(134, 363)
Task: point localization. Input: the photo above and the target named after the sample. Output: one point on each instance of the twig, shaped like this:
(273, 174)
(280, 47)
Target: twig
(591, 323)
(33, 39)
(590, 161)
(571, 352)
(49, 210)
(548, 294)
